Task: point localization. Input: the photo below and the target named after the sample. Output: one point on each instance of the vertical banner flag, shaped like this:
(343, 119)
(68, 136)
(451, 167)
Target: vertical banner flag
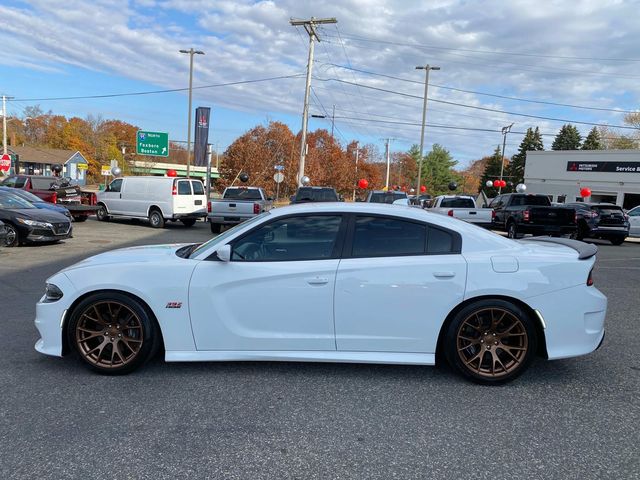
(201, 137)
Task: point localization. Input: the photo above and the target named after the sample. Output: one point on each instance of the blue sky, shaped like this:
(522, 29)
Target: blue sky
(584, 54)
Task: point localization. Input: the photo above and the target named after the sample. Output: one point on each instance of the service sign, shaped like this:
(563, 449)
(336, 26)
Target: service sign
(609, 167)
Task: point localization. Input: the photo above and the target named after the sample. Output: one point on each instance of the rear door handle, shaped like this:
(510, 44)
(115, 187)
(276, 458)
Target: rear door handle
(444, 274)
(317, 281)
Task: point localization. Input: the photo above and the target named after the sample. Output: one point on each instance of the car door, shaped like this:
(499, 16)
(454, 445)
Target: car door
(183, 201)
(634, 222)
(396, 283)
(276, 293)
(112, 197)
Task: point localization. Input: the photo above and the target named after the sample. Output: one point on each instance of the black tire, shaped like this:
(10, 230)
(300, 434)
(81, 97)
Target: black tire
(188, 222)
(512, 231)
(101, 213)
(81, 218)
(482, 329)
(215, 227)
(617, 240)
(156, 220)
(90, 329)
(13, 236)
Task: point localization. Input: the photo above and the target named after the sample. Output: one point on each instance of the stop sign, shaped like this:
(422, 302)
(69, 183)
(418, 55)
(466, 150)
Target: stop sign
(5, 162)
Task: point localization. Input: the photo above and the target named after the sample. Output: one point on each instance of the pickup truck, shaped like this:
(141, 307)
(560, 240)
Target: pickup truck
(462, 207)
(58, 190)
(385, 196)
(237, 205)
(519, 213)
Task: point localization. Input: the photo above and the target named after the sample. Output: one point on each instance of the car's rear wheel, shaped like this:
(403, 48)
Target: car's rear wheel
(13, 236)
(156, 219)
(216, 227)
(113, 333)
(188, 222)
(81, 218)
(617, 240)
(491, 341)
(102, 214)
(512, 231)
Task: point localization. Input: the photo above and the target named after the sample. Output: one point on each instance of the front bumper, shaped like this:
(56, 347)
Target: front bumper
(51, 318)
(38, 234)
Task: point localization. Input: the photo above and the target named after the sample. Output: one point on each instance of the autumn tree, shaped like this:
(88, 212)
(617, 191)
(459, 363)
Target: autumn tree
(532, 141)
(568, 138)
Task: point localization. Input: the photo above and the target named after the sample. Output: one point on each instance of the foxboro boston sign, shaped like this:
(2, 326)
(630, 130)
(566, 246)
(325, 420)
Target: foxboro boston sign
(610, 167)
(201, 137)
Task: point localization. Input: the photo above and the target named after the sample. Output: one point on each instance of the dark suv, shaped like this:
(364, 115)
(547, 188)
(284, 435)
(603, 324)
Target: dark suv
(601, 220)
(315, 194)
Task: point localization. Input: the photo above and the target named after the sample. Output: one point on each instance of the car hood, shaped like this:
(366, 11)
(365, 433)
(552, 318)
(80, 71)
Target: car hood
(131, 255)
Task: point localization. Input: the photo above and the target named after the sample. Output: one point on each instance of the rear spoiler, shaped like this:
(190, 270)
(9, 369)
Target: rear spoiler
(585, 250)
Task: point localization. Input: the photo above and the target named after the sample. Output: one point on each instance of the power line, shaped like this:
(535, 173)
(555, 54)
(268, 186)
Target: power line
(486, 109)
(528, 100)
(519, 54)
(152, 92)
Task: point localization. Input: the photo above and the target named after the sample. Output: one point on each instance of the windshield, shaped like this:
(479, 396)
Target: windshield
(242, 194)
(28, 196)
(533, 200)
(387, 197)
(316, 195)
(457, 203)
(12, 202)
(223, 236)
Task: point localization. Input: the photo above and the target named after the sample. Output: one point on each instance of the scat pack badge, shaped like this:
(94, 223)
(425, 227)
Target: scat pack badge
(174, 305)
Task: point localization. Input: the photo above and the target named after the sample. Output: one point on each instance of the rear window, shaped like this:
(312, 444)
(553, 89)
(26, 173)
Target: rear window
(457, 203)
(42, 183)
(608, 210)
(531, 200)
(316, 195)
(184, 188)
(242, 194)
(386, 197)
(198, 188)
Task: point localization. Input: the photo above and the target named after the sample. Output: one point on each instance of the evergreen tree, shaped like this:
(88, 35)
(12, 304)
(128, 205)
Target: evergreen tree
(568, 138)
(592, 142)
(491, 172)
(437, 170)
(532, 141)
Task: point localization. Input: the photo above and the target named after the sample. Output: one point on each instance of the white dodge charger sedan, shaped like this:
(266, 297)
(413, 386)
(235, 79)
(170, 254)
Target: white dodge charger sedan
(325, 282)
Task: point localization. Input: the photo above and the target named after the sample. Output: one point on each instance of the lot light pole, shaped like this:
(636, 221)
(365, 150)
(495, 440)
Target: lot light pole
(505, 130)
(426, 69)
(191, 52)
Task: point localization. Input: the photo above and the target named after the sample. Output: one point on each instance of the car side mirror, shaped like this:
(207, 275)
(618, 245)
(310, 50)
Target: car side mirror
(224, 253)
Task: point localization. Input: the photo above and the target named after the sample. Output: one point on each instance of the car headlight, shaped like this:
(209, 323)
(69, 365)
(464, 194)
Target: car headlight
(34, 223)
(52, 293)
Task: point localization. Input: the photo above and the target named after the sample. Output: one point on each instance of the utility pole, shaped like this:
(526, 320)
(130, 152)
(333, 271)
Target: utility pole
(505, 130)
(426, 68)
(355, 185)
(386, 183)
(4, 123)
(310, 27)
(333, 120)
(191, 52)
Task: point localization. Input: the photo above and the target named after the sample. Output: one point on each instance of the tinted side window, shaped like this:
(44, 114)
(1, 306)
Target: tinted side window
(496, 202)
(184, 187)
(439, 241)
(198, 188)
(116, 185)
(311, 237)
(9, 182)
(387, 237)
(20, 182)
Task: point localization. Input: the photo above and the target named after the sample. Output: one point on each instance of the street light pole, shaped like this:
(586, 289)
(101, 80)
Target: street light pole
(355, 185)
(191, 52)
(505, 130)
(4, 124)
(426, 68)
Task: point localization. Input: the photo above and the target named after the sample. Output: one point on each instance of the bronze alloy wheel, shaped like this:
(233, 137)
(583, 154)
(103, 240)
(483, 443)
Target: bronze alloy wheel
(492, 342)
(109, 334)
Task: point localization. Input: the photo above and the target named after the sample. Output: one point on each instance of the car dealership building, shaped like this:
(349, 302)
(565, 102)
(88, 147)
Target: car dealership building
(613, 176)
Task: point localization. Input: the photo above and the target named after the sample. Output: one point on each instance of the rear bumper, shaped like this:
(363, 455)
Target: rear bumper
(537, 229)
(609, 232)
(194, 215)
(229, 219)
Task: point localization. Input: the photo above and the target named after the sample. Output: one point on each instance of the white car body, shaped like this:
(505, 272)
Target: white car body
(374, 309)
(134, 197)
(634, 221)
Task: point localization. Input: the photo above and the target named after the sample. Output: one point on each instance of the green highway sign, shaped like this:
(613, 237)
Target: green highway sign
(152, 143)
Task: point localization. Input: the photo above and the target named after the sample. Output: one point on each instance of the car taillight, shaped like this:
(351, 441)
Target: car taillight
(526, 215)
(493, 214)
(256, 208)
(54, 197)
(450, 213)
(590, 279)
(174, 190)
(209, 207)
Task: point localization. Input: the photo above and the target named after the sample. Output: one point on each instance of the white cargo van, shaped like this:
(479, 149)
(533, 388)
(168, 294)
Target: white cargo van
(154, 198)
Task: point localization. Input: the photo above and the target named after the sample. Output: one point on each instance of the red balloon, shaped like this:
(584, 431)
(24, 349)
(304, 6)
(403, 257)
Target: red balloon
(585, 192)
(363, 183)
(500, 183)
(423, 188)
(172, 173)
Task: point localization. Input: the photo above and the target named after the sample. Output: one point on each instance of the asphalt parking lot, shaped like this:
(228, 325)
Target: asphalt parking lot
(567, 419)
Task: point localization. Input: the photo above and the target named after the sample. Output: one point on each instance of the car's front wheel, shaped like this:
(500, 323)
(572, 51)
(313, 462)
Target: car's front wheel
(113, 332)
(13, 236)
(490, 341)
(101, 213)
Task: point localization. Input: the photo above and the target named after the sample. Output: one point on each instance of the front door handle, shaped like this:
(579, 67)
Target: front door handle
(317, 281)
(444, 274)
